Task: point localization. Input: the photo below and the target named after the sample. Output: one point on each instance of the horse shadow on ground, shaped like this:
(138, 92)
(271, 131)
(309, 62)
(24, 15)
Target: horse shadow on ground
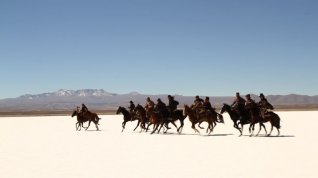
(271, 136)
(195, 134)
(275, 136)
(94, 130)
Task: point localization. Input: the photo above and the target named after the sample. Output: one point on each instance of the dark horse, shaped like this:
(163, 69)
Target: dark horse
(170, 117)
(84, 117)
(236, 117)
(255, 117)
(244, 116)
(127, 117)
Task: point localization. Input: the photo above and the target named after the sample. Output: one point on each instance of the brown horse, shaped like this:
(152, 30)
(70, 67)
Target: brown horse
(127, 117)
(84, 117)
(194, 119)
(141, 115)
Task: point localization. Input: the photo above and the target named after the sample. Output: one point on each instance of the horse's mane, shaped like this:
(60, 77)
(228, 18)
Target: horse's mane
(227, 105)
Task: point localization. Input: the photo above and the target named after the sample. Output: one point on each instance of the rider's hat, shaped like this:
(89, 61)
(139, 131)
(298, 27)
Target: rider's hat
(131, 102)
(207, 98)
(248, 96)
(261, 95)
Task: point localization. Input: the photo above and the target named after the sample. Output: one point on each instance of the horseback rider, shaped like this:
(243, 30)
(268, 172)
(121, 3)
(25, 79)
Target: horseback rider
(198, 106)
(172, 104)
(150, 105)
(207, 106)
(84, 108)
(160, 105)
(131, 107)
(249, 102)
(264, 105)
(238, 103)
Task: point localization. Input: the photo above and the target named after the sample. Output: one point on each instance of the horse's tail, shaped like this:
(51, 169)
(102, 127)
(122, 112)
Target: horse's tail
(97, 118)
(220, 118)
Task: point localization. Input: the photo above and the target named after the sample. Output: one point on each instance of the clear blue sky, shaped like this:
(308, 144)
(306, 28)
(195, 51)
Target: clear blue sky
(188, 47)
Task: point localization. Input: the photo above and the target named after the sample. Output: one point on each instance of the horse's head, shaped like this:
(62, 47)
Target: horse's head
(74, 113)
(119, 110)
(187, 109)
(225, 108)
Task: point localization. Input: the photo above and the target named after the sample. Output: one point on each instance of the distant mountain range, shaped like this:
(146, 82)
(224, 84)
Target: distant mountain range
(99, 99)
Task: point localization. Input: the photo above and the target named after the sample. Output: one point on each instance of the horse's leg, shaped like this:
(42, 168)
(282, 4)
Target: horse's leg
(253, 126)
(96, 125)
(148, 127)
(241, 130)
(199, 125)
(260, 126)
(278, 131)
(123, 125)
(212, 127)
(271, 130)
(155, 128)
(193, 127)
(166, 125)
(89, 123)
(181, 126)
(209, 127)
(137, 125)
(161, 125)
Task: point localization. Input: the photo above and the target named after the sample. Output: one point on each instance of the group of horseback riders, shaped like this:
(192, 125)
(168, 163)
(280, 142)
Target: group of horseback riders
(150, 106)
(239, 104)
(201, 106)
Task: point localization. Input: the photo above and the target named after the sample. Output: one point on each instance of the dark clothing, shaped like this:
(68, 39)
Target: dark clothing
(131, 107)
(250, 104)
(160, 105)
(263, 103)
(238, 102)
(84, 108)
(150, 105)
(207, 105)
(198, 103)
(173, 105)
(264, 106)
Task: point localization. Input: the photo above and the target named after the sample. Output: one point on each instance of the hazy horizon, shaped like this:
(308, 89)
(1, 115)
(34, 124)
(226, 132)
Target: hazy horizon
(153, 94)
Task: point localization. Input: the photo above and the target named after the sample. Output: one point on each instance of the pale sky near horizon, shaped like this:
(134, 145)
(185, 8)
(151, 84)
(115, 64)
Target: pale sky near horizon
(187, 47)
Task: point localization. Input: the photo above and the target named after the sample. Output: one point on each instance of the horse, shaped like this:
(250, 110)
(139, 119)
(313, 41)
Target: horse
(171, 117)
(235, 117)
(255, 117)
(194, 119)
(141, 115)
(127, 117)
(84, 117)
